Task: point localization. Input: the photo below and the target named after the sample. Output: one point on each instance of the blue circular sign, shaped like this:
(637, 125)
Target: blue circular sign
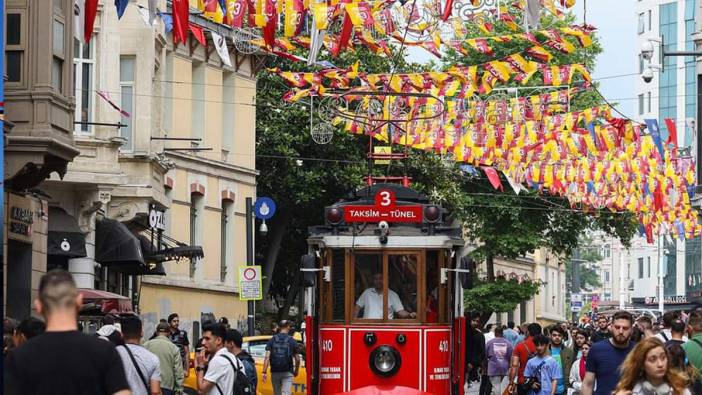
(264, 208)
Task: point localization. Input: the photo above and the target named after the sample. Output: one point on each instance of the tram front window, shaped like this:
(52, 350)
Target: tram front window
(378, 299)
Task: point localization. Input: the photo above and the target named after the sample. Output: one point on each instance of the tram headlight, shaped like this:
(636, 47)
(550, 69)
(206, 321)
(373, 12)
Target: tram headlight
(334, 215)
(432, 214)
(385, 361)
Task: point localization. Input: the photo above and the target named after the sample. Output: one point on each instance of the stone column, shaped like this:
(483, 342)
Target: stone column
(83, 269)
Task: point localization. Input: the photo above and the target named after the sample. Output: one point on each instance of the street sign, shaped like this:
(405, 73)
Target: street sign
(576, 298)
(576, 306)
(264, 208)
(250, 283)
(384, 209)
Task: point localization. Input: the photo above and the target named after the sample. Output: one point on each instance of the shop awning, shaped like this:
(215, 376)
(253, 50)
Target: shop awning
(105, 302)
(147, 269)
(65, 238)
(116, 245)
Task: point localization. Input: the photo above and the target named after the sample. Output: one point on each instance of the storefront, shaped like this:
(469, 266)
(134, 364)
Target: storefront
(670, 303)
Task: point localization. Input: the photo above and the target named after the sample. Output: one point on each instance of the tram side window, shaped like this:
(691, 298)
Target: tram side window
(339, 284)
(368, 286)
(402, 286)
(433, 290)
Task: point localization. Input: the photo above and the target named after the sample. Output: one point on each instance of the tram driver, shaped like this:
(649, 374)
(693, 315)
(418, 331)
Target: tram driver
(371, 302)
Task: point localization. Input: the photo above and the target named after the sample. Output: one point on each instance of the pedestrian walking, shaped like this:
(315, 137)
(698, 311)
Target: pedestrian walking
(577, 370)
(522, 353)
(511, 334)
(179, 337)
(170, 362)
(605, 357)
(581, 338)
(678, 360)
(281, 351)
(646, 370)
(234, 343)
(140, 365)
(666, 334)
(216, 375)
(542, 371)
(499, 354)
(475, 348)
(693, 348)
(563, 356)
(27, 329)
(63, 360)
(9, 325)
(602, 331)
(677, 333)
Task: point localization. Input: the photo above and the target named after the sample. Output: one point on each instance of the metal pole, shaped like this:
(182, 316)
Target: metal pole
(661, 292)
(622, 279)
(249, 260)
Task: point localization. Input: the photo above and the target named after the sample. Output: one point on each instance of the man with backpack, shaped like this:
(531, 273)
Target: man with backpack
(542, 372)
(521, 355)
(234, 343)
(222, 373)
(280, 352)
(141, 365)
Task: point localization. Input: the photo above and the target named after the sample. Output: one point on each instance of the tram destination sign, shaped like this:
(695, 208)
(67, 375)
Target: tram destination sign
(384, 209)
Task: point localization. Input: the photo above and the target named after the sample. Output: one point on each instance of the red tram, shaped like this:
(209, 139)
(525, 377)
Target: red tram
(384, 297)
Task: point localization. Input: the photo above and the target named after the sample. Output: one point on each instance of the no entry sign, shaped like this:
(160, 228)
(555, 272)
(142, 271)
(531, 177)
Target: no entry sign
(250, 283)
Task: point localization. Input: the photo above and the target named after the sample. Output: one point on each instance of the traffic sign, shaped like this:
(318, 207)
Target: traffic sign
(264, 208)
(576, 298)
(576, 306)
(250, 283)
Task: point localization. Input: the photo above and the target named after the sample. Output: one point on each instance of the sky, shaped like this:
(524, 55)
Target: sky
(616, 29)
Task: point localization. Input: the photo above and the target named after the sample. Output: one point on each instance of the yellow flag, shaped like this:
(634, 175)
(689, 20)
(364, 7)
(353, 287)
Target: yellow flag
(320, 14)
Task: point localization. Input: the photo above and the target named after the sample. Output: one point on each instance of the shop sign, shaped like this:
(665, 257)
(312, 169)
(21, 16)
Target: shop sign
(679, 299)
(384, 209)
(20, 218)
(157, 218)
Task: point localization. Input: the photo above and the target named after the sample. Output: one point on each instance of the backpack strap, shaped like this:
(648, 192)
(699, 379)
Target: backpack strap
(138, 369)
(664, 335)
(235, 370)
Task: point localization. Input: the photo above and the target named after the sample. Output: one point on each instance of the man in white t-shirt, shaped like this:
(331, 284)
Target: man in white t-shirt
(371, 302)
(215, 375)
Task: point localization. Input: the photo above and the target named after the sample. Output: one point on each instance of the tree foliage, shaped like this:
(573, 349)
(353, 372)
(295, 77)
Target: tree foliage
(501, 295)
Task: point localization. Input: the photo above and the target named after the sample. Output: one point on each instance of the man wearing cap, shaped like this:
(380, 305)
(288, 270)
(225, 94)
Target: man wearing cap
(169, 357)
(281, 350)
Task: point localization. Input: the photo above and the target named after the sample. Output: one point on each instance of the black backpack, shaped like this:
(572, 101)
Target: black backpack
(242, 385)
(281, 354)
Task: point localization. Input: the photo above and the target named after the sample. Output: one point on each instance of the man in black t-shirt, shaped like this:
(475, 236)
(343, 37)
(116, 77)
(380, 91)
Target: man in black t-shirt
(63, 360)
(179, 337)
(602, 331)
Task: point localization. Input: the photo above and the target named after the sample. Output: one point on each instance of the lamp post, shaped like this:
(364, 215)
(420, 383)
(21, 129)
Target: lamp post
(249, 260)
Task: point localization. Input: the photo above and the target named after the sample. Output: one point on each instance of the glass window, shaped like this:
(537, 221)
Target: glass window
(402, 285)
(13, 64)
(57, 73)
(126, 76)
(368, 286)
(641, 104)
(649, 102)
(641, 267)
(83, 66)
(14, 29)
(223, 241)
(338, 268)
(648, 263)
(435, 292)
(58, 39)
(649, 20)
(642, 24)
(198, 99)
(606, 276)
(196, 209)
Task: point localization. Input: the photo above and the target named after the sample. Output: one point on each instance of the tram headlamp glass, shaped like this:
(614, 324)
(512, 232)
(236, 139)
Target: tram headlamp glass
(385, 361)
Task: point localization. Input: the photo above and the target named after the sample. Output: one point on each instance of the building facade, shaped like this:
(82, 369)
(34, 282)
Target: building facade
(39, 111)
(672, 93)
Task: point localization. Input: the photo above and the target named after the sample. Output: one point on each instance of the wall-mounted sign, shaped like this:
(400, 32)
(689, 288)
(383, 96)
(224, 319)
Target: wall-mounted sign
(157, 218)
(384, 209)
(678, 299)
(20, 216)
(250, 283)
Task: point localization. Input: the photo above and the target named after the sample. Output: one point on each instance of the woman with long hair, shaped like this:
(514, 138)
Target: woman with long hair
(581, 337)
(647, 371)
(577, 371)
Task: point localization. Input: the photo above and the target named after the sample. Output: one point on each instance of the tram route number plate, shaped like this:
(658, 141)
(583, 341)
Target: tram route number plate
(250, 283)
(384, 209)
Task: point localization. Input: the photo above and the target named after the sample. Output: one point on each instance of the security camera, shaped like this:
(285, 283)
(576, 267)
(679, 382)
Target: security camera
(647, 75)
(647, 50)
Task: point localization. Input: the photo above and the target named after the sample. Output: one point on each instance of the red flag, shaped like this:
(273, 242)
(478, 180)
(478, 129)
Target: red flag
(493, 177)
(448, 9)
(181, 16)
(648, 229)
(199, 34)
(271, 23)
(672, 132)
(344, 36)
(90, 13)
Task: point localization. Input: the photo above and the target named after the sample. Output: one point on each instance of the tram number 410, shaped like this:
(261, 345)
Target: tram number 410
(327, 345)
(444, 346)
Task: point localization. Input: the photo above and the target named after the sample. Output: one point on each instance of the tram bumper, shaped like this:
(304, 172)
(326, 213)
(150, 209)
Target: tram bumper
(385, 390)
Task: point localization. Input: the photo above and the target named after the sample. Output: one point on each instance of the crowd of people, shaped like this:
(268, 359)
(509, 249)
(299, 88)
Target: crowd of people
(54, 357)
(621, 355)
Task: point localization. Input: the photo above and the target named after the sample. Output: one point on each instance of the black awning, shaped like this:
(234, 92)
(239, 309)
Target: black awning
(171, 249)
(65, 238)
(116, 245)
(147, 269)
